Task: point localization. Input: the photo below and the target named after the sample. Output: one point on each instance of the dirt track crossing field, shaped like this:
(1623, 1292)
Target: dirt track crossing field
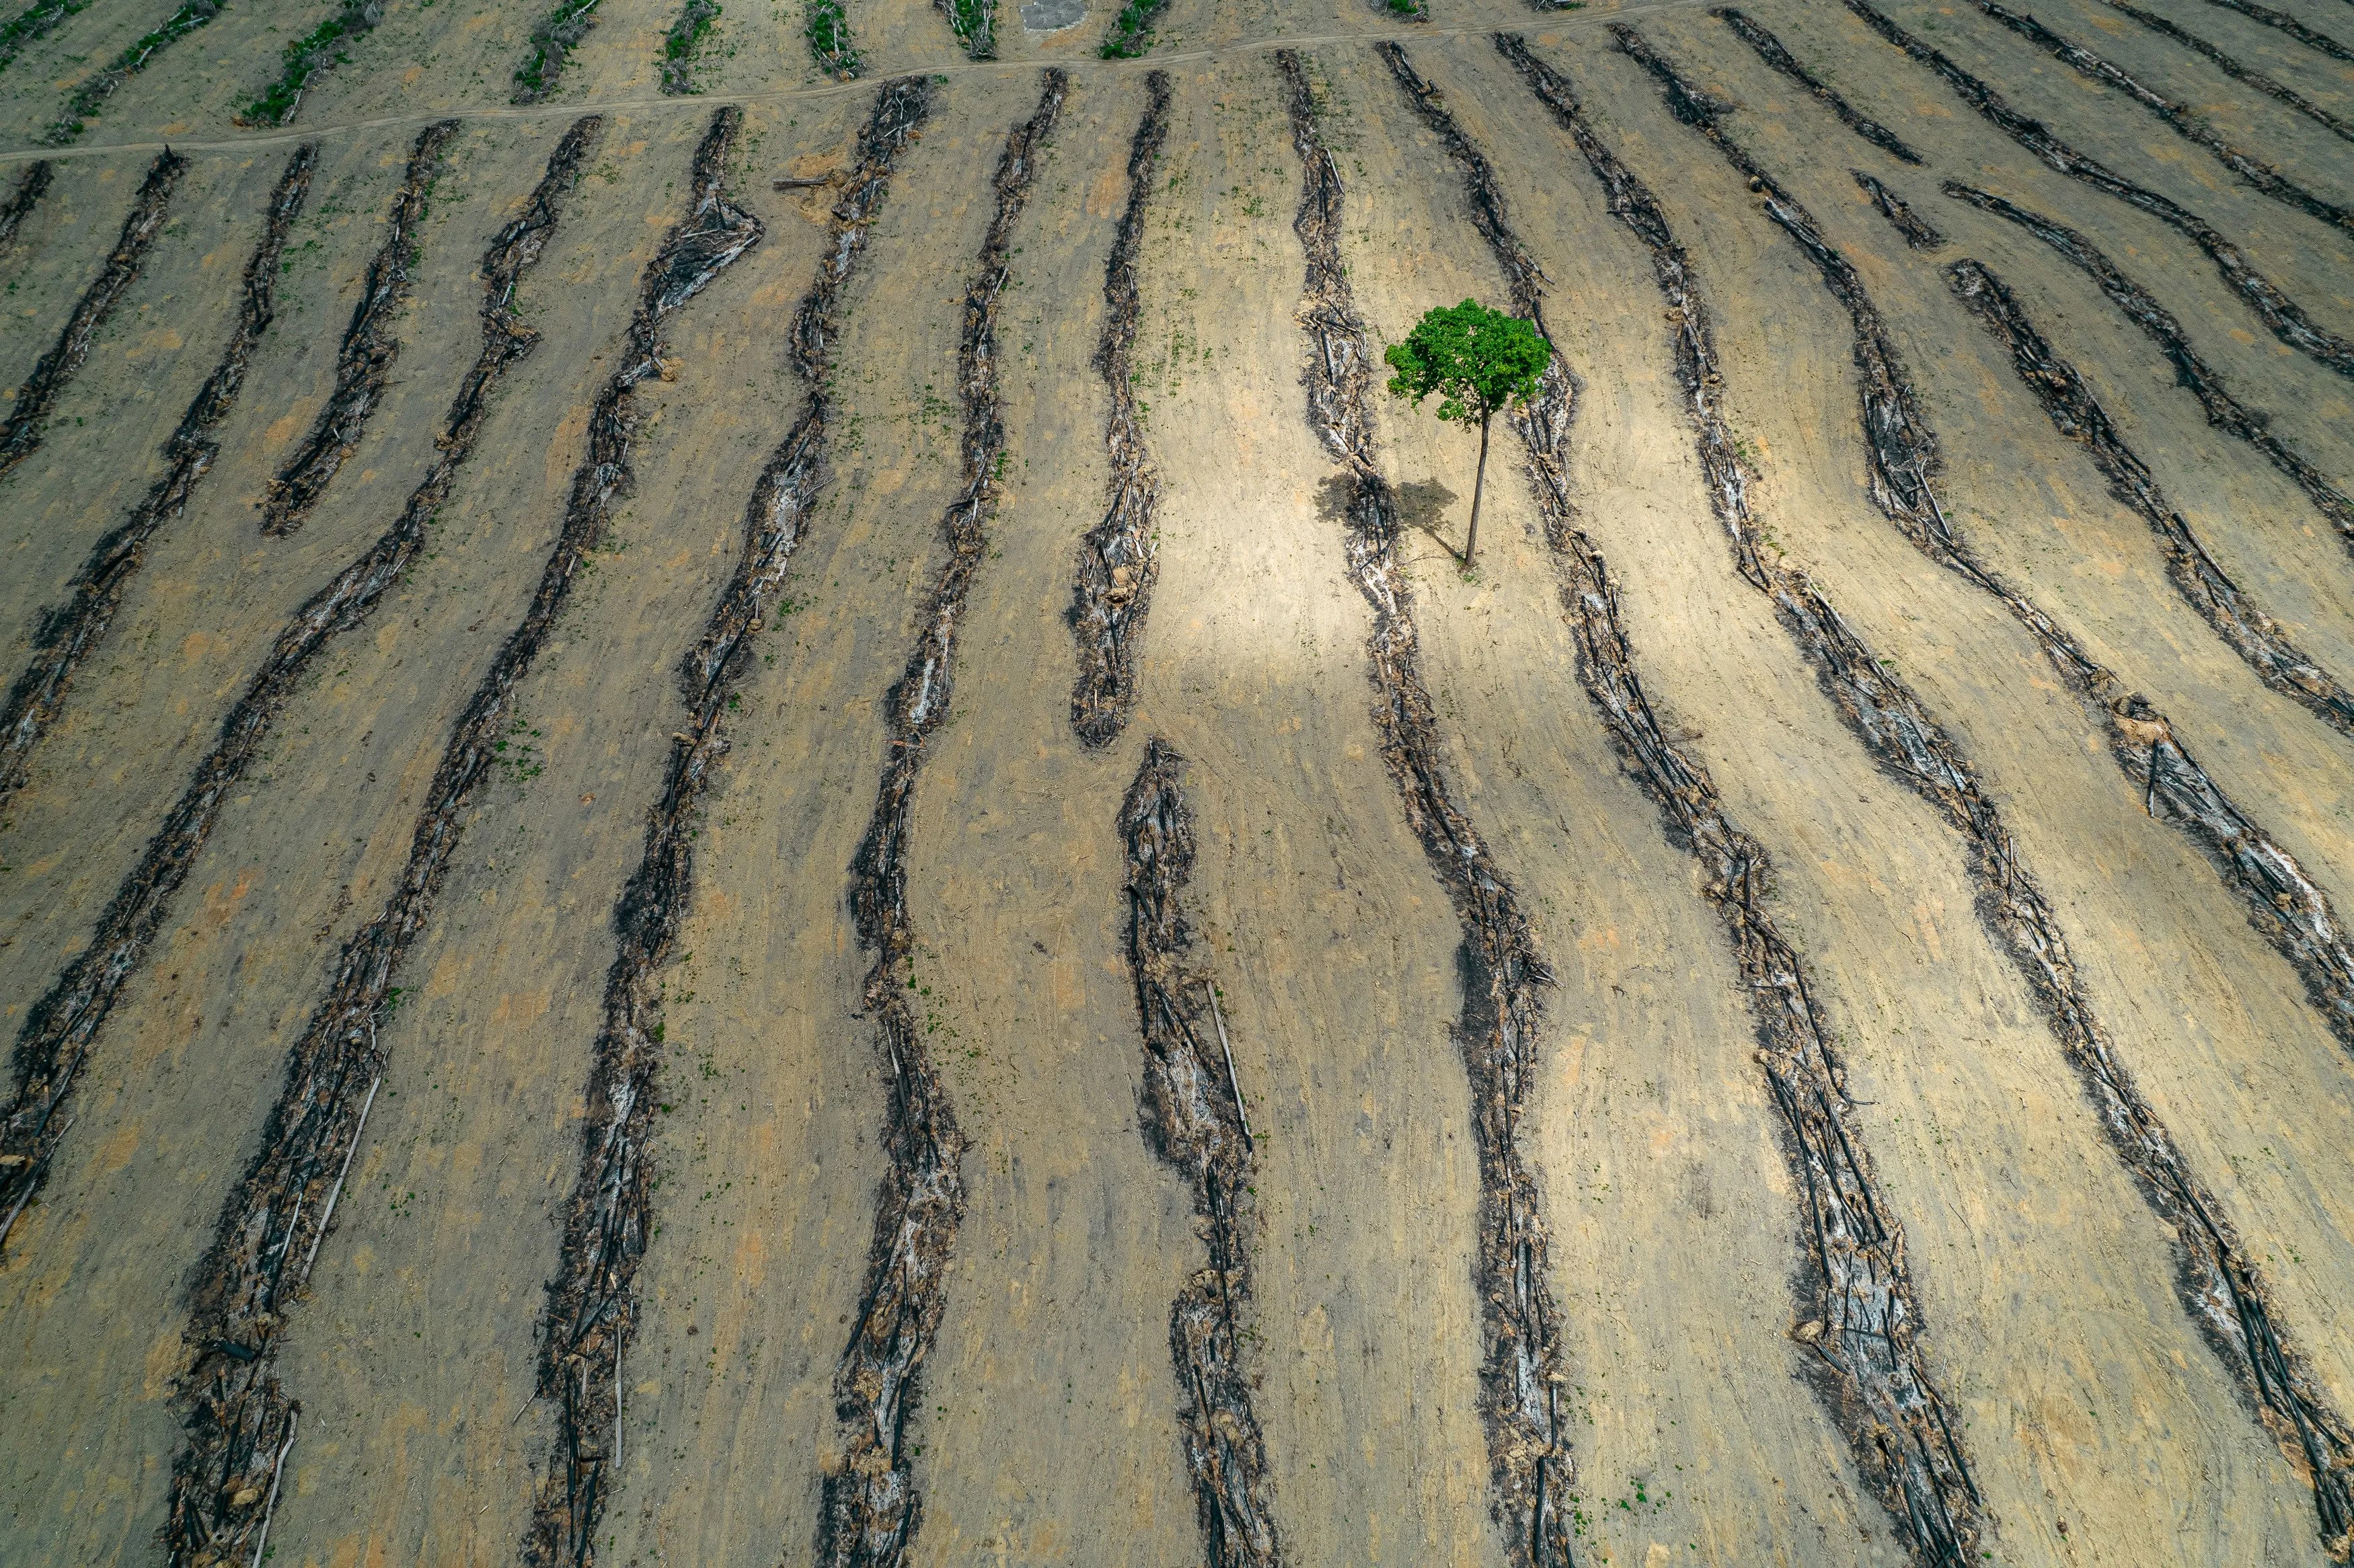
(751, 812)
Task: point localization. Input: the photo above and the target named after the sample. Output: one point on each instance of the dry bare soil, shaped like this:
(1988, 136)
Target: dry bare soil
(750, 811)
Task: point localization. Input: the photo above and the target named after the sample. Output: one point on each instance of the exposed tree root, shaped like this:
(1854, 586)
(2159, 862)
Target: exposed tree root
(1856, 1296)
(68, 632)
(2180, 118)
(2203, 380)
(871, 1507)
(1193, 1114)
(282, 1206)
(1118, 560)
(21, 432)
(2287, 320)
(1917, 231)
(363, 361)
(1770, 49)
(2203, 585)
(61, 1028)
(2287, 24)
(1522, 1376)
(591, 1304)
(31, 186)
(2231, 67)
(2220, 1286)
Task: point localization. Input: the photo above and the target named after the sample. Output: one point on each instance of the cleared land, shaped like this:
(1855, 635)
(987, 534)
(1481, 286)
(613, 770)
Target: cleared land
(751, 812)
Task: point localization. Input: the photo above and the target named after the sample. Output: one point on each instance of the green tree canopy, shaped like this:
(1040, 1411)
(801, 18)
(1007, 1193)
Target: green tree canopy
(1478, 361)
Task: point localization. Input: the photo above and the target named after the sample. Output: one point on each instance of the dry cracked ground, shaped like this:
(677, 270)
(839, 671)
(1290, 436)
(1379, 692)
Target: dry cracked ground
(750, 811)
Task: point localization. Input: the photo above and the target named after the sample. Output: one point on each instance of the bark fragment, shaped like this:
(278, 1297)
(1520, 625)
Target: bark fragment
(2287, 24)
(1193, 1115)
(870, 1509)
(69, 632)
(2221, 1287)
(21, 432)
(2282, 314)
(1117, 559)
(1530, 1467)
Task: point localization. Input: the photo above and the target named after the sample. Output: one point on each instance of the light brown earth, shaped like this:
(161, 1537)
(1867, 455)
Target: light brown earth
(2101, 1426)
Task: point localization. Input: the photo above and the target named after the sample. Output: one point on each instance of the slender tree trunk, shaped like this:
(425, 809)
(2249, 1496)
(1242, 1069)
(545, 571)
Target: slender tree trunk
(1479, 483)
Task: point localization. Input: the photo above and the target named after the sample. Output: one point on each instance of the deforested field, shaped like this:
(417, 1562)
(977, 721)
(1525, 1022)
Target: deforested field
(751, 812)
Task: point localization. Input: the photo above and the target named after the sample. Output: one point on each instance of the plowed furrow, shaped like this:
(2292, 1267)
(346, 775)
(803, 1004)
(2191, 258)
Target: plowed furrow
(86, 100)
(2287, 319)
(2203, 380)
(281, 1210)
(2203, 585)
(2220, 1286)
(1193, 1113)
(2288, 907)
(1872, 1373)
(1917, 230)
(60, 1030)
(20, 433)
(1770, 49)
(68, 632)
(592, 1303)
(1523, 1372)
(364, 359)
(1112, 590)
(870, 1509)
(2231, 66)
(2286, 23)
(2180, 118)
(31, 186)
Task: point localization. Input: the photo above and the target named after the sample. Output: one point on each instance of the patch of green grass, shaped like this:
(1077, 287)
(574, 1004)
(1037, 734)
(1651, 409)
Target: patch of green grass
(305, 58)
(1131, 32)
(828, 31)
(551, 40)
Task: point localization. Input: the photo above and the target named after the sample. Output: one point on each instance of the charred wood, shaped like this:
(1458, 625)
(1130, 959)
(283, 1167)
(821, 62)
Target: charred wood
(1531, 1466)
(1917, 231)
(365, 359)
(2282, 314)
(1112, 589)
(1770, 49)
(1193, 1115)
(70, 631)
(2202, 380)
(31, 186)
(871, 1508)
(2231, 66)
(2179, 118)
(2221, 1287)
(21, 432)
(2203, 585)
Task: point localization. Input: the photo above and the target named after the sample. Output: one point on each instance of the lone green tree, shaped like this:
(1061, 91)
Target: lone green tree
(1478, 362)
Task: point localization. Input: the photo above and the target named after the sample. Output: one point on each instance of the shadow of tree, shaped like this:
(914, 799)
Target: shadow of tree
(1421, 506)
